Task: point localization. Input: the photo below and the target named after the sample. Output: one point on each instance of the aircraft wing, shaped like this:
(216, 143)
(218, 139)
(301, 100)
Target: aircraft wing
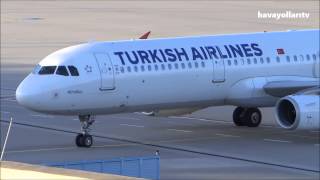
(283, 88)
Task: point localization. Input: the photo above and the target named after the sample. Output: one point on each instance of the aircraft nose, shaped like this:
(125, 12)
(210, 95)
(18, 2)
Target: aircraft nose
(26, 94)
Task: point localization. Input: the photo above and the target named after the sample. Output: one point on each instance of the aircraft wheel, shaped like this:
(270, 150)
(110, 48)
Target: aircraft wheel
(79, 140)
(253, 117)
(87, 140)
(238, 115)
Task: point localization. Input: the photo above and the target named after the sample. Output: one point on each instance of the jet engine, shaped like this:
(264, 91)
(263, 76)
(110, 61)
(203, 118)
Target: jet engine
(298, 112)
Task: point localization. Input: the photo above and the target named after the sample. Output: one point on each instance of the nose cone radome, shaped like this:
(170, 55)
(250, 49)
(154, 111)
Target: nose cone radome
(27, 94)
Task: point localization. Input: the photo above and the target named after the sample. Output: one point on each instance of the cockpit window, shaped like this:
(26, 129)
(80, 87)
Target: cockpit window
(62, 70)
(36, 69)
(73, 71)
(47, 69)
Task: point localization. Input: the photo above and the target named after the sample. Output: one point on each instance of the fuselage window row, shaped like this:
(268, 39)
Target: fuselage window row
(163, 67)
(235, 62)
(267, 60)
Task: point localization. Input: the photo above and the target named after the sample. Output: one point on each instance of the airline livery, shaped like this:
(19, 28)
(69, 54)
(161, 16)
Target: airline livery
(175, 76)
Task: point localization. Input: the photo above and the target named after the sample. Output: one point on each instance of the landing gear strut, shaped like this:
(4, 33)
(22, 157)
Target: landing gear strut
(84, 139)
(250, 117)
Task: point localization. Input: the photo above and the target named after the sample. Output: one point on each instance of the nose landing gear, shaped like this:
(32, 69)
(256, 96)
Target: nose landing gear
(84, 139)
(250, 117)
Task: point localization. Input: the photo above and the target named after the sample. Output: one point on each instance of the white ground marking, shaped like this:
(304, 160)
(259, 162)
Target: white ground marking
(132, 125)
(65, 148)
(277, 140)
(4, 112)
(11, 106)
(42, 116)
(179, 130)
(199, 119)
(227, 135)
(308, 137)
(317, 145)
(9, 99)
(268, 126)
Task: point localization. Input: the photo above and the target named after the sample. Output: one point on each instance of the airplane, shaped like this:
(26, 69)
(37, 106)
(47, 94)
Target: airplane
(164, 76)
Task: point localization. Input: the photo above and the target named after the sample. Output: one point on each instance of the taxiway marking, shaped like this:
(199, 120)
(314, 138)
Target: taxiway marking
(67, 148)
(315, 131)
(277, 140)
(301, 136)
(227, 135)
(42, 116)
(9, 99)
(132, 125)
(180, 130)
(4, 112)
(199, 119)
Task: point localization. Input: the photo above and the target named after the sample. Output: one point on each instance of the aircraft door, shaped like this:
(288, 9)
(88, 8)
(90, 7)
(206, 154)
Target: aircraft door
(106, 71)
(218, 70)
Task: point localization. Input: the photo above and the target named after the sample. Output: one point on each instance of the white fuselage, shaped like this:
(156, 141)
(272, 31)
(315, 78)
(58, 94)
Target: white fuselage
(188, 72)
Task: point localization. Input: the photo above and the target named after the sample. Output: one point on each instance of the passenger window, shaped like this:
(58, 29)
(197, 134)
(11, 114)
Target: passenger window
(169, 66)
(288, 58)
(149, 67)
(183, 66)
(308, 57)
(235, 62)
(62, 70)
(242, 62)
(278, 59)
(255, 61)
(196, 65)
(142, 68)
(156, 67)
(176, 65)
(129, 69)
(268, 60)
(47, 69)
(163, 67)
(314, 57)
(135, 68)
(229, 62)
(122, 69)
(301, 58)
(295, 58)
(261, 60)
(248, 61)
(190, 65)
(203, 64)
(73, 71)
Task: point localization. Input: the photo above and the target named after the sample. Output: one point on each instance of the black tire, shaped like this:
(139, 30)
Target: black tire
(79, 140)
(87, 140)
(237, 119)
(253, 117)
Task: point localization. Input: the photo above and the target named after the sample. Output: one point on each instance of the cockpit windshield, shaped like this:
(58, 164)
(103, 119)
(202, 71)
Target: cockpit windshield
(47, 70)
(73, 71)
(36, 69)
(59, 70)
(62, 70)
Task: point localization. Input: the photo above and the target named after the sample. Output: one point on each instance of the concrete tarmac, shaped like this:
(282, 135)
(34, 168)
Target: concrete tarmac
(203, 145)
